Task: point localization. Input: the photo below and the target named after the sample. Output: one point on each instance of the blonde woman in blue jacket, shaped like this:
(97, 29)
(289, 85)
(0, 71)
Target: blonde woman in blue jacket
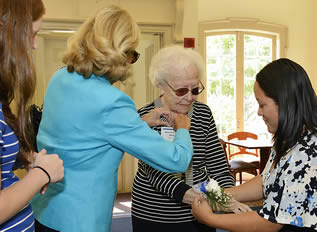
(90, 123)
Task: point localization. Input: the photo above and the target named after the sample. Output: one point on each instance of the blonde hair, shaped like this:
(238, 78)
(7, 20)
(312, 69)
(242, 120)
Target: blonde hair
(174, 59)
(101, 45)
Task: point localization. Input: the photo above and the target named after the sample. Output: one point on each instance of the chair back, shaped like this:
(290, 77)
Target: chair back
(242, 135)
(224, 147)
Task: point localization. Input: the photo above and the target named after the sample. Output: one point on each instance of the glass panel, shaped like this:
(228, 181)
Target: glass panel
(221, 80)
(257, 53)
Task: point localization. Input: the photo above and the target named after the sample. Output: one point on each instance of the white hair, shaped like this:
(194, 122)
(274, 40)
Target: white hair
(171, 60)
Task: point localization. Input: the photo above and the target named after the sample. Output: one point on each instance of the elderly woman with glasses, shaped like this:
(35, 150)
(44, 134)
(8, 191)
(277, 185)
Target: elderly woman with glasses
(161, 201)
(91, 123)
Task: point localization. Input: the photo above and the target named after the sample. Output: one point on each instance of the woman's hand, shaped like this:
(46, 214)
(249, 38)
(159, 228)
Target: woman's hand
(153, 118)
(201, 210)
(31, 159)
(52, 164)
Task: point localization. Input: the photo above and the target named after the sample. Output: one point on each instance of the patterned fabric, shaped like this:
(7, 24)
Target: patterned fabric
(9, 145)
(157, 196)
(290, 189)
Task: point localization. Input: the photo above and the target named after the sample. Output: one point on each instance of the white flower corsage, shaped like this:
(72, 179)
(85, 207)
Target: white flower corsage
(215, 195)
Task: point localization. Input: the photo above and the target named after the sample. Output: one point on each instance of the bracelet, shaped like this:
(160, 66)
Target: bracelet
(48, 175)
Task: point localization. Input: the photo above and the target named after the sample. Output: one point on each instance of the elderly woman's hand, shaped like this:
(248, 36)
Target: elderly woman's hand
(189, 196)
(234, 206)
(154, 117)
(237, 207)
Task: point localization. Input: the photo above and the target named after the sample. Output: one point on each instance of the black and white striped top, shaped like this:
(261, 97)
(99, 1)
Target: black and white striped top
(157, 196)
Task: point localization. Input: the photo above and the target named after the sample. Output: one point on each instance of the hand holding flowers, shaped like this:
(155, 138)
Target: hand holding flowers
(218, 199)
(202, 211)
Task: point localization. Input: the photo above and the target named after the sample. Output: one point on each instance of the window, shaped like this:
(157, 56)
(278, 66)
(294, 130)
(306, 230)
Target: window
(233, 55)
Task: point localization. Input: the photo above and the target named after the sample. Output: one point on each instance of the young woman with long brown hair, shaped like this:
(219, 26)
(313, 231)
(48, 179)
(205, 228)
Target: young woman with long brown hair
(20, 21)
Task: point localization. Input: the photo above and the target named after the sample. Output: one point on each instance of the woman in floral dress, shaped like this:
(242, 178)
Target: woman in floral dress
(288, 184)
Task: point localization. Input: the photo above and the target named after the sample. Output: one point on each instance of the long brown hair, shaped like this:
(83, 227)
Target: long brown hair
(17, 76)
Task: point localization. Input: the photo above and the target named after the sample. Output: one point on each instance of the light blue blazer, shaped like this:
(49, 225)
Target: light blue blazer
(90, 124)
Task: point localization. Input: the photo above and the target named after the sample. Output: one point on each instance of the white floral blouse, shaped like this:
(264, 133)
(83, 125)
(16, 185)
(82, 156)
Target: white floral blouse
(290, 189)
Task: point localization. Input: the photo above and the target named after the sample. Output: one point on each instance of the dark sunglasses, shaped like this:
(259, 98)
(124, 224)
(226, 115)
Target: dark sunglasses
(135, 57)
(183, 91)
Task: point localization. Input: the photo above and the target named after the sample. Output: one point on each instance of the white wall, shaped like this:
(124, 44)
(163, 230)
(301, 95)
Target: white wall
(162, 11)
(190, 24)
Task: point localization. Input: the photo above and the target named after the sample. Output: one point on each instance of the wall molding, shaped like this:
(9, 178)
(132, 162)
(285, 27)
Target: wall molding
(55, 27)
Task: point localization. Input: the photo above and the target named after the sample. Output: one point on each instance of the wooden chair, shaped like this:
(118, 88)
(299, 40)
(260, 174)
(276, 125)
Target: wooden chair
(224, 146)
(242, 135)
(242, 160)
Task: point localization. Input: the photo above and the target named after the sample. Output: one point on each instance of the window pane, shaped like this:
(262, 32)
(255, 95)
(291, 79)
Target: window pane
(257, 53)
(221, 80)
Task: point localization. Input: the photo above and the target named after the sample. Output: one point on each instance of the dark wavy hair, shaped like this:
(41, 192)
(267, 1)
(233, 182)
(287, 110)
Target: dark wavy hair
(17, 76)
(287, 83)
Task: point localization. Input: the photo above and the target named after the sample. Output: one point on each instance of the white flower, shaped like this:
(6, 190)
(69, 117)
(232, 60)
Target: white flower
(216, 196)
(213, 186)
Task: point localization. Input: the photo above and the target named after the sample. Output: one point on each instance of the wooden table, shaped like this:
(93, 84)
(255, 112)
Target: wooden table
(263, 146)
